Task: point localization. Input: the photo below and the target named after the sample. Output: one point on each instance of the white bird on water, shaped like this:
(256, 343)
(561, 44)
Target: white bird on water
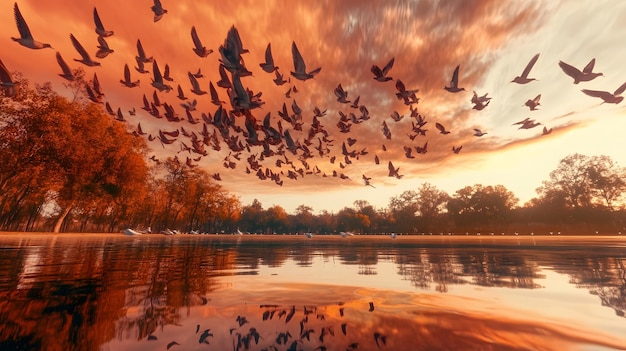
(26, 38)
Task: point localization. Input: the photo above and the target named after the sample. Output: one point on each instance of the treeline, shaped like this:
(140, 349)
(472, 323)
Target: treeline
(68, 166)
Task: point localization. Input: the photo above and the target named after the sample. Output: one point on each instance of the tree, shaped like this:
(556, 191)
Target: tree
(480, 205)
(403, 209)
(275, 219)
(78, 155)
(586, 181)
(304, 220)
(430, 203)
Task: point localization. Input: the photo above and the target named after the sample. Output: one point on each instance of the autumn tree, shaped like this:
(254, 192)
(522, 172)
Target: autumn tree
(480, 206)
(303, 221)
(431, 202)
(77, 156)
(403, 209)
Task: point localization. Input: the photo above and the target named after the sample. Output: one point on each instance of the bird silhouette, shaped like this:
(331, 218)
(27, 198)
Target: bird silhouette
(614, 98)
(523, 78)
(299, 71)
(585, 75)
(85, 57)
(454, 82)
(67, 73)
(158, 10)
(381, 74)
(127, 81)
(9, 86)
(198, 48)
(99, 27)
(26, 38)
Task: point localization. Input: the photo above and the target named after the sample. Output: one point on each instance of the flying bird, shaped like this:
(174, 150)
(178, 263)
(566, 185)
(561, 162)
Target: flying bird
(454, 82)
(478, 132)
(127, 81)
(532, 104)
(103, 48)
(457, 149)
(381, 74)
(157, 80)
(268, 66)
(9, 86)
(141, 54)
(523, 78)
(299, 65)
(99, 27)
(199, 49)
(67, 73)
(85, 58)
(158, 10)
(341, 94)
(614, 98)
(394, 172)
(585, 75)
(26, 38)
(441, 128)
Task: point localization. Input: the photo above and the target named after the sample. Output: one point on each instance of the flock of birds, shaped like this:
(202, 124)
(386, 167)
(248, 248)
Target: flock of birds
(255, 139)
(316, 331)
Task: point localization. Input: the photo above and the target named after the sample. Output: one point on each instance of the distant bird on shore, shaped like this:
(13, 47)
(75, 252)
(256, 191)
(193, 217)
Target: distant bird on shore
(26, 38)
(585, 75)
(523, 78)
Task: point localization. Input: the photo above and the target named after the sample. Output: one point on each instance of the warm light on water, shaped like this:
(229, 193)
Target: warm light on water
(110, 292)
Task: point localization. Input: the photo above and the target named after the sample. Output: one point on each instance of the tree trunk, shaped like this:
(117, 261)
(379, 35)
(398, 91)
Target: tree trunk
(59, 223)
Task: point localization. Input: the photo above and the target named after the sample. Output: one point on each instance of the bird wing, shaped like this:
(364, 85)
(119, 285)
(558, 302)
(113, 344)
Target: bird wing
(455, 77)
(268, 55)
(126, 73)
(142, 54)
(5, 75)
(620, 90)
(64, 67)
(388, 66)
(194, 37)
(103, 43)
(157, 72)
(22, 27)
(81, 50)
(570, 70)
(97, 21)
(537, 98)
(440, 127)
(529, 66)
(599, 94)
(589, 68)
(377, 71)
(298, 61)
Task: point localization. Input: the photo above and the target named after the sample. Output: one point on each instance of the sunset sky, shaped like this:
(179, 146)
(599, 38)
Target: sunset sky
(491, 40)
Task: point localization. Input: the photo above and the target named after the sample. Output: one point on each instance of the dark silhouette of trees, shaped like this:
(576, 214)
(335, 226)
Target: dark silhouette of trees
(481, 206)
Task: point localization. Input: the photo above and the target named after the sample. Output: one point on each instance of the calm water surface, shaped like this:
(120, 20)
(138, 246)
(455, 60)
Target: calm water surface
(111, 292)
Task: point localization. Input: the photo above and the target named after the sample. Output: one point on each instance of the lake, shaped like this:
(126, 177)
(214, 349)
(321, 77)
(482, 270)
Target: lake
(281, 292)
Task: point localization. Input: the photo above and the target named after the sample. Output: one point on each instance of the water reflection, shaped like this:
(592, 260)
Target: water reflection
(143, 293)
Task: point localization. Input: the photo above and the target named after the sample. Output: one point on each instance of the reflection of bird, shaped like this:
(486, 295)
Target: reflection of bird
(99, 27)
(523, 78)
(299, 65)
(609, 98)
(158, 10)
(454, 82)
(67, 73)
(584, 76)
(26, 38)
(85, 58)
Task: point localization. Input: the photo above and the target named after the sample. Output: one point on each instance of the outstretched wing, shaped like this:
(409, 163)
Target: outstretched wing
(589, 68)
(570, 70)
(81, 50)
(530, 65)
(298, 61)
(22, 27)
(194, 37)
(97, 21)
(604, 95)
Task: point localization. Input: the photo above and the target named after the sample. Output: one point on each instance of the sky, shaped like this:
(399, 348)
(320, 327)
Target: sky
(491, 41)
